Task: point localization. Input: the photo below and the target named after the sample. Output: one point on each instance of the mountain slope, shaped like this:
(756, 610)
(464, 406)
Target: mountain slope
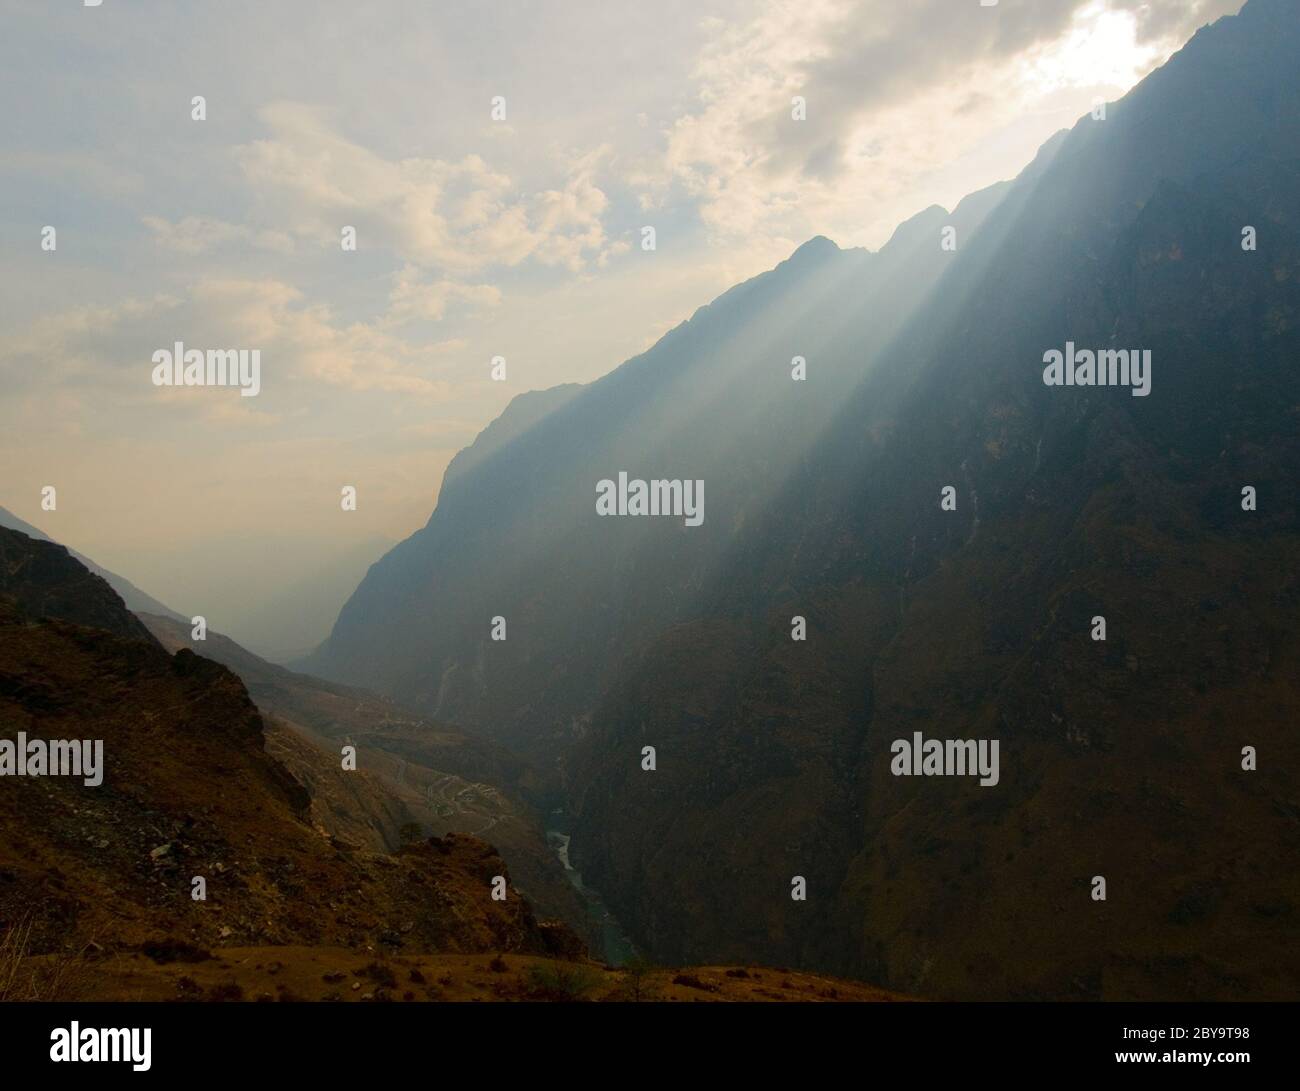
(926, 370)
(1120, 758)
(96, 882)
(136, 600)
(409, 770)
(823, 501)
(189, 790)
(516, 533)
(49, 582)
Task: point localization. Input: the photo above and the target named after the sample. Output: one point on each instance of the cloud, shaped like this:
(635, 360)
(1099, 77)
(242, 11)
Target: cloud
(78, 343)
(868, 58)
(199, 234)
(105, 352)
(413, 299)
(461, 216)
(476, 238)
(894, 93)
(302, 341)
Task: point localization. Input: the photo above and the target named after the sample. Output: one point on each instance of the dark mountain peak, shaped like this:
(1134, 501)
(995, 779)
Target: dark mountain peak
(43, 580)
(136, 600)
(10, 520)
(1260, 16)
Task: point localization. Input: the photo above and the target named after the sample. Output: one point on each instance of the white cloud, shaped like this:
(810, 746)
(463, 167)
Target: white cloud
(105, 351)
(413, 299)
(461, 216)
(303, 341)
(896, 94)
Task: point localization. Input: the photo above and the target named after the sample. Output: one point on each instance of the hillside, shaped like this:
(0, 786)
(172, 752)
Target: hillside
(188, 789)
(409, 770)
(336, 975)
(97, 881)
(1121, 758)
(516, 532)
(136, 601)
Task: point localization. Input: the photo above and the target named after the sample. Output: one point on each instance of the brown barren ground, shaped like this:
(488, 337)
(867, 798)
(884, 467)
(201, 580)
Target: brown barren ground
(341, 975)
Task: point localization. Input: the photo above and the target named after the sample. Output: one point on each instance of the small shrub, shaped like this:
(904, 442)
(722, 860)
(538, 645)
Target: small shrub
(379, 974)
(636, 969)
(163, 951)
(561, 981)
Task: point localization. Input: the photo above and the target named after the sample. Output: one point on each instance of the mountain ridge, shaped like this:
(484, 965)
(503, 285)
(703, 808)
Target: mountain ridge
(136, 600)
(974, 622)
(925, 373)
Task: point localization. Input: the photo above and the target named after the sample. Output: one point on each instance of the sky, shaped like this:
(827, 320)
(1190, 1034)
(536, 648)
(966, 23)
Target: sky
(518, 236)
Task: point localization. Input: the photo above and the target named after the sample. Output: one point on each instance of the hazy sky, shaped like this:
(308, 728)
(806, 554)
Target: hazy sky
(475, 238)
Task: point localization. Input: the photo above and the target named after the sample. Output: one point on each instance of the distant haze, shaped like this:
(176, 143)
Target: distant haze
(476, 238)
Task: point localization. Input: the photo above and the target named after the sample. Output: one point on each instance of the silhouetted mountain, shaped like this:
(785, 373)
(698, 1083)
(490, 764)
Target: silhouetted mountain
(44, 580)
(516, 532)
(521, 414)
(135, 599)
(1120, 758)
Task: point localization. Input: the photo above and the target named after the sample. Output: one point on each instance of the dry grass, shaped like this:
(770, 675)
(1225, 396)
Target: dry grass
(25, 977)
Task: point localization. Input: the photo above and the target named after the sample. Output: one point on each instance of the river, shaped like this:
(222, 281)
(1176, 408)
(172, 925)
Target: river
(617, 948)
